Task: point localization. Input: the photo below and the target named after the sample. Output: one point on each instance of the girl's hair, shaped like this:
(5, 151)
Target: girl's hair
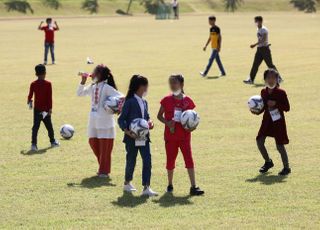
(177, 77)
(135, 83)
(106, 75)
(270, 71)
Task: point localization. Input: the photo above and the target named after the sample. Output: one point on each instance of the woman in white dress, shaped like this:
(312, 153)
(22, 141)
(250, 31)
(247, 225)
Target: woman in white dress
(101, 127)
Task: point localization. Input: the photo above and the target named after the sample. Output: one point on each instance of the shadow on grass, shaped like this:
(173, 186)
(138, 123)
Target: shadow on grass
(169, 200)
(30, 152)
(93, 182)
(259, 85)
(128, 200)
(267, 179)
(212, 77)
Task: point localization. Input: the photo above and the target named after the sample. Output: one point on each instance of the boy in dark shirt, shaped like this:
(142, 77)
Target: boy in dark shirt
(42, 91)
(49, 30)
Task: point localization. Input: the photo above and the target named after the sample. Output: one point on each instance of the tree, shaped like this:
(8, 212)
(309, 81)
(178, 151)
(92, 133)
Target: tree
(21, 6)
(91, 5)
(232, 5)
(151, 6)
(129, 6)
(54, 4)
(308, 6)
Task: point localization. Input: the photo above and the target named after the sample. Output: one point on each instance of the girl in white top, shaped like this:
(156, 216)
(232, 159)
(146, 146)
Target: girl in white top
(101, 127)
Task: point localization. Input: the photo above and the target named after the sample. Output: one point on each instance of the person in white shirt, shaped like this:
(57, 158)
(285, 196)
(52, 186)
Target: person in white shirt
(175, 7)
(263, 51)
(101, 127)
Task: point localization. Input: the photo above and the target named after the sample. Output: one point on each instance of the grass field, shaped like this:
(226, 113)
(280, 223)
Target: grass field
(57, 188)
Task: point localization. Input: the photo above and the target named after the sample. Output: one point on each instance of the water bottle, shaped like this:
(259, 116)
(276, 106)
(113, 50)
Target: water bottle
(30, 105)
(84, 74)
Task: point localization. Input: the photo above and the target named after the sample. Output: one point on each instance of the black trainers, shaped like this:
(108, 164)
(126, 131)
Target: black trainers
(196, 191)
(267, 165)
(284, 172)
(248, 81)
(170, 188)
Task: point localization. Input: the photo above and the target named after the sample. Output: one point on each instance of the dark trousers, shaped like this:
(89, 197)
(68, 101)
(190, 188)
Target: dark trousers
(48, 46)
(262, 54)
(37, 118)
(131, 157)
(176, 12)
(214, 56)
(281, 149)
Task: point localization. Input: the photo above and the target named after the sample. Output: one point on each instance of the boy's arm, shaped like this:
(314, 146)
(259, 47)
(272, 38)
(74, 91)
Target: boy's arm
(208, 41)
(50, 99)
(40, 26)
(30, 94)
(56, 24)
(219, 42)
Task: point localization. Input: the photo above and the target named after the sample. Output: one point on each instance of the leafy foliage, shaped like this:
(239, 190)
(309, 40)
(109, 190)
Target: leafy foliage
(232, 5)
(91, 5)
(309, 6)
(21, 6)
(54, 4)
(151, 6)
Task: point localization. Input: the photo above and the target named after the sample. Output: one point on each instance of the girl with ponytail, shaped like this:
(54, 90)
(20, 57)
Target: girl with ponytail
(101, 128)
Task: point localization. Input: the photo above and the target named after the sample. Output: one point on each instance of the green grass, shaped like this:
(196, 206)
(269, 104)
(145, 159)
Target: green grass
(56, 188)
(109, 7)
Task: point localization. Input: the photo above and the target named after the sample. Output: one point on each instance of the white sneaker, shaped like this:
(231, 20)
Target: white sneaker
(202, 74)
(129, 188)
(149, 192)
(34, 148)
(101, 175)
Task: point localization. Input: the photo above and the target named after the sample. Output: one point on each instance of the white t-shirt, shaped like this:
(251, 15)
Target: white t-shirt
(141, 104)
(175, 3)
(263, 31)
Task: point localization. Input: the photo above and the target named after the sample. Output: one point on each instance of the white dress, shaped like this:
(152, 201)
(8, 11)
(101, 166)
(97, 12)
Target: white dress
(101, 122)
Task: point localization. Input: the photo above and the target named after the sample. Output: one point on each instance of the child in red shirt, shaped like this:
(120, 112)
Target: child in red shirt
(273, 123)
(49, 30)
(42, 91)
(175, 136)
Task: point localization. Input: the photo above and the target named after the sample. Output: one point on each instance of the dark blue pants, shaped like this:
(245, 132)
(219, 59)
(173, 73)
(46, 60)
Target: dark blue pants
(214, 56)
(37, 118)
(48, 46)
(131, 157)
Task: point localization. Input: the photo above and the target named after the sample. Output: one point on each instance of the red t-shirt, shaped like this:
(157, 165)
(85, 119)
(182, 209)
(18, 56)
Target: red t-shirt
(49, 33)
(169, 104)
(42, 91)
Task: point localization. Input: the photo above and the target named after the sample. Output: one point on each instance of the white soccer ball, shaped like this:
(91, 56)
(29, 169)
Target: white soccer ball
(140, 127)
(255, 103)
(112, 103)
(66, 131)
(190, 119)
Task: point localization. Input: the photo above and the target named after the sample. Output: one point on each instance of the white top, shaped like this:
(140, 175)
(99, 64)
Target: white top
(175, 3)
(261, 33)
(141, 104)
(101, 122)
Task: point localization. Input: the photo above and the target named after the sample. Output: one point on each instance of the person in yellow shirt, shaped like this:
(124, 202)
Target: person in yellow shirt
(215, 40)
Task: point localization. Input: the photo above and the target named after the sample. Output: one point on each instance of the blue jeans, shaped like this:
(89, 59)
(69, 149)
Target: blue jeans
(48, 46)
(131, 157)
(214, 55)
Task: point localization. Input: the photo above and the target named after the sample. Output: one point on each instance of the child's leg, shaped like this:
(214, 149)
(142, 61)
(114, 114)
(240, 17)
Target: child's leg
(185, 147)
(131, 157)
(52, 52)
(146, 164)
(47, 122)
(172, 149)
(105, 149)
(36, 125)
(220, 64)
(46, 50)
(94, 144)
(284, 155)
(262, 148)
(211, 59)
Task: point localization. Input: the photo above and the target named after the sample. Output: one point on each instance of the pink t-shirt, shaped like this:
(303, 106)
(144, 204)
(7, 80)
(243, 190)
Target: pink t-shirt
(169, 104)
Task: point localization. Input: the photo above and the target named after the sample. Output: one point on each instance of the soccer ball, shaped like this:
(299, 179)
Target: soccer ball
(140, 127)
(190, 119)
(255, 103)
(66, 131)
(113, 103)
